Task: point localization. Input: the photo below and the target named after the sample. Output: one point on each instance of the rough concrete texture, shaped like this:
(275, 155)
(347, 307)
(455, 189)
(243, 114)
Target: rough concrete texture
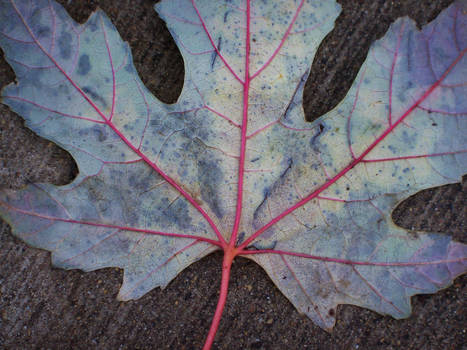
(44, 307)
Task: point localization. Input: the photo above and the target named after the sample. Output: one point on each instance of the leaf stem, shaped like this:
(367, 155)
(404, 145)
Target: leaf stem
(229, 255)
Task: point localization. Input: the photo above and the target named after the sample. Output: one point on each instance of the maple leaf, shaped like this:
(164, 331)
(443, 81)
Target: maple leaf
(233, 165)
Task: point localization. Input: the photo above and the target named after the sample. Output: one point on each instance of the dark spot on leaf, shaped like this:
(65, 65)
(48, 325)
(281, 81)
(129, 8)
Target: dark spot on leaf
(43, 32)
(266, 194)
(64, 45)
(214, 54)
(100, 133)
(269, 190)
(289, 166)
(129, 68)
(94, 96)
(92, 23)
(84, 66)
(297, 93)
(240, 237)
(177, 212)
(211, 177)
(226, 15)
(317, 135)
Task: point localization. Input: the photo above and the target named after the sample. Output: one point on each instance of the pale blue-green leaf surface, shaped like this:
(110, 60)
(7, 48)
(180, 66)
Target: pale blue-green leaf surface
(158, 184)
(350, 220)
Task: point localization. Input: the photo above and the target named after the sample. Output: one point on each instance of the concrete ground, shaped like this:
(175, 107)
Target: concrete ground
(44, 307)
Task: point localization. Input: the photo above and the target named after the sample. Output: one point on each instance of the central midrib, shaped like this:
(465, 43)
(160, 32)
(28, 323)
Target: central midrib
(241, 167)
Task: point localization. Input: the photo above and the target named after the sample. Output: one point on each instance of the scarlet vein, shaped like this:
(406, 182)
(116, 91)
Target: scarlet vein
(97, 224)
(109, 123)
(357, 160)
(241, 167)
(353, 262)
